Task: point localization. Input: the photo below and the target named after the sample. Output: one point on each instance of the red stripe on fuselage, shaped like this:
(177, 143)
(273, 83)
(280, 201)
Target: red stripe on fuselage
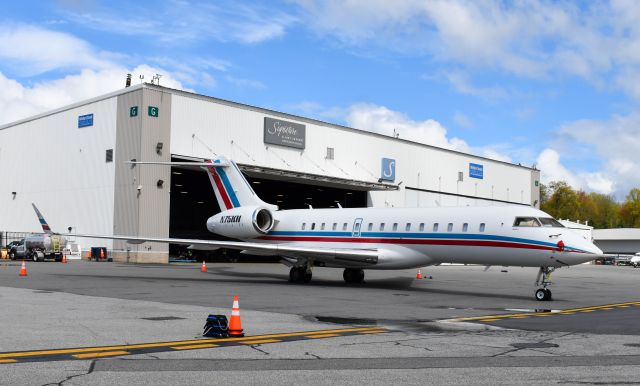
(472, 243)
(220, 186)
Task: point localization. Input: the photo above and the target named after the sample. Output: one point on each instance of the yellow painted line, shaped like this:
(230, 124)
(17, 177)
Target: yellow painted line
(195, 346)
(489, 320)
(261, 341)
(8, 361)
(587, 311)
(519, 317)
(178, 343)
(372, 332)
(624, 306)
(321, 336)
(564, 312)
(101, 354)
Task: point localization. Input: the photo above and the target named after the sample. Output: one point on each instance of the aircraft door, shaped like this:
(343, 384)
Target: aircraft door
(357, 224)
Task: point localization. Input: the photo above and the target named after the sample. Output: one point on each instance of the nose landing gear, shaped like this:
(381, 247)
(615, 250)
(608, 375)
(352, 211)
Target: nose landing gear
(544, 274)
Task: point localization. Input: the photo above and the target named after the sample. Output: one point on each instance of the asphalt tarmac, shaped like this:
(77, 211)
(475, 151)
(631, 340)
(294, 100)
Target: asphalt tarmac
(141, 324)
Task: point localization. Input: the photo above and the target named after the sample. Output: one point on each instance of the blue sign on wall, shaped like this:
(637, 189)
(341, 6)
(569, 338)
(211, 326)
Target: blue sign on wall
(85, 120)
(388, 170)
(476, 171)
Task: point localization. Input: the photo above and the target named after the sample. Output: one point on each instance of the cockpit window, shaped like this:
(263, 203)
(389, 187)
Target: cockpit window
(550, 222)
(526, 222)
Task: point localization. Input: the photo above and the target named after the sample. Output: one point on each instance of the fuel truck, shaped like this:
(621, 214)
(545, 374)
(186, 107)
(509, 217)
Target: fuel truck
(39, 247)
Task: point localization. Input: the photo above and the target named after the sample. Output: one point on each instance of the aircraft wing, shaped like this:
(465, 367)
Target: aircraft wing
(356, 255)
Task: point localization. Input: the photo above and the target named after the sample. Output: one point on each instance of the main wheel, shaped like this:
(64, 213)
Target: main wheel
(353, 275)
(541, 294)
(306, 278)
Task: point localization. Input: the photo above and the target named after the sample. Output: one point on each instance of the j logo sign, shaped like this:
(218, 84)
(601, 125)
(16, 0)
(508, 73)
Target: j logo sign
(388, 172)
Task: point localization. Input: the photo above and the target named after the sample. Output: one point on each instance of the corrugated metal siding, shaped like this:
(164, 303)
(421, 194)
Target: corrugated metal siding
(127, 178)
(154, 201)
(143, 212)
(61, 168)
(238, 133)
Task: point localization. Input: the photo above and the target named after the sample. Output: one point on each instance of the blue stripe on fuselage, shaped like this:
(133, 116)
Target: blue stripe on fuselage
(228, 187)
(403, 235)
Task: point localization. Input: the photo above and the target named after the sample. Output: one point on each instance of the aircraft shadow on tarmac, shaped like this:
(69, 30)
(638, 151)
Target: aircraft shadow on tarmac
(233, 276)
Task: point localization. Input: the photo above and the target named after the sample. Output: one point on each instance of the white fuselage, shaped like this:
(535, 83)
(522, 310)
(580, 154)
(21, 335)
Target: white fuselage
(415, 237)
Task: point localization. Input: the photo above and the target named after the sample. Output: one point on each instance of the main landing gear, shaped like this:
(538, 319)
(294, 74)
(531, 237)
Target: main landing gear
(544, 274)
(353, 275)
(300, 274)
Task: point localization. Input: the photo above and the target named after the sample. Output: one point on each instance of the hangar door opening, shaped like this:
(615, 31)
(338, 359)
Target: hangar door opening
(193, 202)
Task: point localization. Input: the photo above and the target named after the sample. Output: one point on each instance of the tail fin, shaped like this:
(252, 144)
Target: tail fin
(43, 222)
(231, 188)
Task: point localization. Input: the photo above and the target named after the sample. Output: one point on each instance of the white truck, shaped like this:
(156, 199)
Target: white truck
(635, 260)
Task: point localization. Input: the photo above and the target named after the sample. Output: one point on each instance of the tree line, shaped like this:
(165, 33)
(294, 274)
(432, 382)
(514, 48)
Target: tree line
(602, 211)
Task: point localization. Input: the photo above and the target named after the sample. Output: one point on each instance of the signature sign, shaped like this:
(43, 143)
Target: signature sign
(284, 133)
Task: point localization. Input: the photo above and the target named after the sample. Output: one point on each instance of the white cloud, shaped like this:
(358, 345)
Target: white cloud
(461, 83)
(245, 83)
(182, 22)
(18, 101)
(462, 120)
(380, 119)
(552, 169)
(31, 50)
(598, 41)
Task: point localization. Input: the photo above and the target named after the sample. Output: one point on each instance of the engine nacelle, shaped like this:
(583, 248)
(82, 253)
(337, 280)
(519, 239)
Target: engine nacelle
(245, 222)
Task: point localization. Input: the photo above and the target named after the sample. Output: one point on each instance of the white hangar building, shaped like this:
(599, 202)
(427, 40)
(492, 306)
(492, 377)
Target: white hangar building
(71, 162)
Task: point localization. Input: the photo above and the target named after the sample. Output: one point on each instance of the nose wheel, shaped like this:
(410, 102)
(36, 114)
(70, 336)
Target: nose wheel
(543, 294)
(543, 279)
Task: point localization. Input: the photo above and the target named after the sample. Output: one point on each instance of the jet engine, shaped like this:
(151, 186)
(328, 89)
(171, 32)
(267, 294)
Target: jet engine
(245, 222)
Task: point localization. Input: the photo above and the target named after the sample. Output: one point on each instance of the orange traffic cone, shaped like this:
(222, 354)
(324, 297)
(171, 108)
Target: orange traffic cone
(64, 259)
(23, 269)
(419, 275)
(204, 267)
(235, 324)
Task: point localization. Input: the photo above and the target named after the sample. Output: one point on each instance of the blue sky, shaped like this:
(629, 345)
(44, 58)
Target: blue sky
(550, 83)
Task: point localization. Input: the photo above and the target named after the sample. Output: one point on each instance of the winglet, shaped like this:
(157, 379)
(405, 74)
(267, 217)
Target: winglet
(43, 222)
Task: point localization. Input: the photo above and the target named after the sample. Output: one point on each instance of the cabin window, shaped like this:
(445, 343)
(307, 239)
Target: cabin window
(408, 227)
(370, 227)
(465, 227)
(526, 222)
(450, 227)
(550, 222)
(481, 229)
(344, 226)
(435, 227)
(313, 226)
(395, 226)
(335, 226)
(381, 226)
(322, 227)
(304, 225)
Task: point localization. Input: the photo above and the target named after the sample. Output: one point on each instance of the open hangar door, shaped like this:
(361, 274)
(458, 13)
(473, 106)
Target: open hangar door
(192, 202)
